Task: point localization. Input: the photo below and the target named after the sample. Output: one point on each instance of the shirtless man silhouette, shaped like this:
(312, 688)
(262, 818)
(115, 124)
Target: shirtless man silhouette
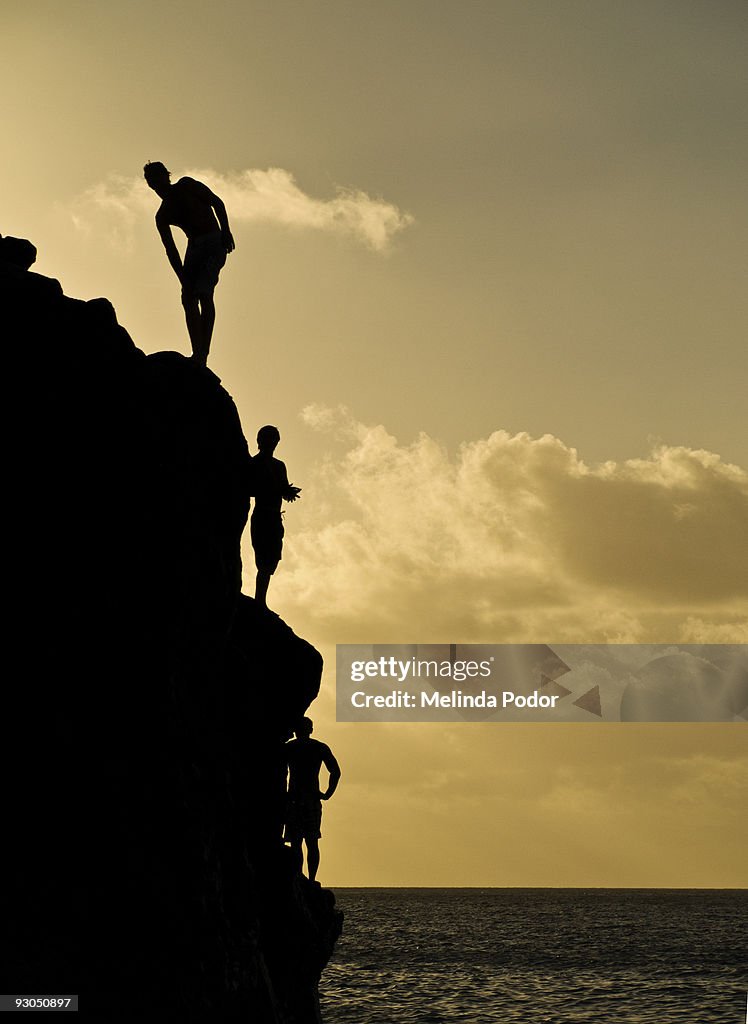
(304, 758)
(270, 487)
(191, 206)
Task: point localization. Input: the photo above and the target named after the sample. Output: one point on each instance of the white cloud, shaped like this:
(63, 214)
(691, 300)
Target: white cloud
(115, 209)
(251, 196)
(516, 538)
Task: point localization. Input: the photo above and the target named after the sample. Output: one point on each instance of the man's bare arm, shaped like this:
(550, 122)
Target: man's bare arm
(223, 220)
(289, 492)
(329, 761)
(172, 253)
(200, 190)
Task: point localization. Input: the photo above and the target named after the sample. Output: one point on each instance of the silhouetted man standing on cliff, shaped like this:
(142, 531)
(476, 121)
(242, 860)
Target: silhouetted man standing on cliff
(304, 758)
(191, 206)
(270, 487)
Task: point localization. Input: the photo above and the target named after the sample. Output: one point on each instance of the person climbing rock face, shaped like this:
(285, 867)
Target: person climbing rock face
(304, 758)
(270, 487)
(191, 206)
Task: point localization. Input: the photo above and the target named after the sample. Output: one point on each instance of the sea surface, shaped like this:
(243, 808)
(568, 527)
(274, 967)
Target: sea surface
(539, 956)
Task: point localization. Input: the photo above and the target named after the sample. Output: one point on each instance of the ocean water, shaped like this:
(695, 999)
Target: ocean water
(539, 956)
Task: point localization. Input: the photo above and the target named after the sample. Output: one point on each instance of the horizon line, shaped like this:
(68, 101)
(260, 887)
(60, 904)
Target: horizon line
(600, 888)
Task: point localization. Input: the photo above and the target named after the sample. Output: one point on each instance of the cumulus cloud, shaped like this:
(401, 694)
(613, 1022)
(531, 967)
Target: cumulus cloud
(517, 539)
(252, 196)
(115, 208)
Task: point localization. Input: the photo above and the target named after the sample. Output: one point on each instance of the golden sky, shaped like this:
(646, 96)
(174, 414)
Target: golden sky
(489, 283)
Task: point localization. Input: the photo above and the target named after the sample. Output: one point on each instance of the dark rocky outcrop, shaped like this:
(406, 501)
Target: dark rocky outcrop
(148, 700)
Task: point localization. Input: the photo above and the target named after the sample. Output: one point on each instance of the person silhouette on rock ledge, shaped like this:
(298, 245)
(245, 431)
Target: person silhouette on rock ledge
(304, 758)
(191, 206)
(270, 487)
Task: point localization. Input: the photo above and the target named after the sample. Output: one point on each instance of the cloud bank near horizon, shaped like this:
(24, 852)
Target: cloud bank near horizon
(269, 196)
(515, 538)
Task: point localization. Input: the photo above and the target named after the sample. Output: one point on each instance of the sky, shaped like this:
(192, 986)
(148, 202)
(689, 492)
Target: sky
(489, 283)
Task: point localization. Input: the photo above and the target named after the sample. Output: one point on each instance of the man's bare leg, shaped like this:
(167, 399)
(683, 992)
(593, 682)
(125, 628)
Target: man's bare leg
(298, 855)
(312, 858)
(208, 319)
(191, 305)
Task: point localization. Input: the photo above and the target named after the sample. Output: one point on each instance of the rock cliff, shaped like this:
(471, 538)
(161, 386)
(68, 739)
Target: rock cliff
(148, 700)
